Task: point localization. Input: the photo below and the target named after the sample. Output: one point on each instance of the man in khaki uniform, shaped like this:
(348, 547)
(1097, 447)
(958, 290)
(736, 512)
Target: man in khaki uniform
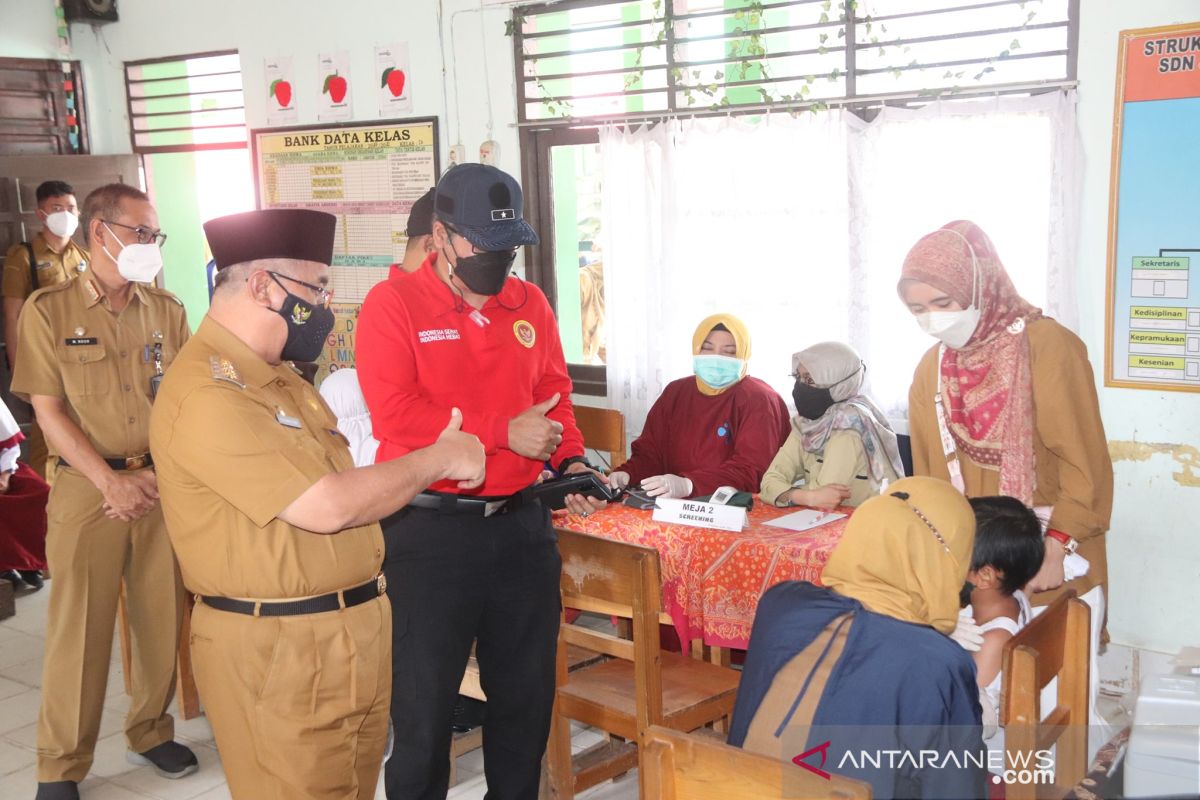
(274, 527)
(91, 353)
(55, 259)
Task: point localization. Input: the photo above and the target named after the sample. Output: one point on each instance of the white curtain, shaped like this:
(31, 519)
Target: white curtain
(799, 227)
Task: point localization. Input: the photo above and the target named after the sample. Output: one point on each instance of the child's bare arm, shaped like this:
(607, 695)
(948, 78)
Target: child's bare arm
(989, 658)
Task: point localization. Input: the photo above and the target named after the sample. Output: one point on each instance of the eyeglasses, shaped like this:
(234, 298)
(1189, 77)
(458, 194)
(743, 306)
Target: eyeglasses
(324, 296)
(144, 235)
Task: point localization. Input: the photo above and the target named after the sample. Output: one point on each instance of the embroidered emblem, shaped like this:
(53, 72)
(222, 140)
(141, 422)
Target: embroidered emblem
(524, 332)
(300, 315)
(503, 214)
(80, 330)
(224, 370)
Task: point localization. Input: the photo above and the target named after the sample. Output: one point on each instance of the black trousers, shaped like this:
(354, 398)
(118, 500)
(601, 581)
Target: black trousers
(453, 579)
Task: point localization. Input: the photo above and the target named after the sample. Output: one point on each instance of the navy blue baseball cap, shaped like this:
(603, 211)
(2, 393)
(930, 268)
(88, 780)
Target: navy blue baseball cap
(485, 205)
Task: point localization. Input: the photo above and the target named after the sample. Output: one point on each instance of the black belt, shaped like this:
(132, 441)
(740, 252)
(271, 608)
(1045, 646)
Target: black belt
(132, 462)
(478, 506)
(313, 605)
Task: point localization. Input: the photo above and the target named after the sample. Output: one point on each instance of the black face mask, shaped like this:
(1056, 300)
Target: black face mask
(308, 327)
(810, 401)
(485, 273)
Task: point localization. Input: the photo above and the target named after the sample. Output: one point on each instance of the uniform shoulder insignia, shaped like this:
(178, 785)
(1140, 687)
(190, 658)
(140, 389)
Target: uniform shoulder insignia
(224, 370)
(295, 369)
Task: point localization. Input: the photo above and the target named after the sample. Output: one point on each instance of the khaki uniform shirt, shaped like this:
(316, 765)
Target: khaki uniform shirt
(844, 461)
(73, 346)
(1074, 470)
(235, 442)
(53, 267)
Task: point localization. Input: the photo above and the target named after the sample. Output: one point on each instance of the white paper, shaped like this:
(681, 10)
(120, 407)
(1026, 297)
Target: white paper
(393, 79)
(334, 103)
(281, 91)
(805, 520)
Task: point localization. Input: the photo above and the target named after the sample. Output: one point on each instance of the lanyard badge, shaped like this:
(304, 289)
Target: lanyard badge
(156, 378)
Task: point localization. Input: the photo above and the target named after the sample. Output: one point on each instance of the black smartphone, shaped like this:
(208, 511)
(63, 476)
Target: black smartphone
(637, 498)
(553, 494)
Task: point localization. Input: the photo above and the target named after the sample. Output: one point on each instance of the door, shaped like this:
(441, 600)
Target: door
(19, 179)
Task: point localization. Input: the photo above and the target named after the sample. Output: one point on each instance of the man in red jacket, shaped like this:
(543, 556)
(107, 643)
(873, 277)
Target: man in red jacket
(479, 566)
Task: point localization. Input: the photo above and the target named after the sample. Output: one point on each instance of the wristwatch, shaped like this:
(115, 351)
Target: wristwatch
(1067, 542)
(566, 462)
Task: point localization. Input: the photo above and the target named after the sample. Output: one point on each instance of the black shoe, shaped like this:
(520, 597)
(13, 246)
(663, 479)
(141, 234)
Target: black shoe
(169, 759)
(32, 577)
(58, 790)
(12, 577)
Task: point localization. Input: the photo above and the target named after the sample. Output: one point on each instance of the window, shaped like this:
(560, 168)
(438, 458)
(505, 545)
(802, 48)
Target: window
(188, 121)
(617, 59)
(582, 63)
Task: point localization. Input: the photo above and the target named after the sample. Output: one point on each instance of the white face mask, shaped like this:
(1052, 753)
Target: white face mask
(953, 328)
(137, 262)
(62, 223)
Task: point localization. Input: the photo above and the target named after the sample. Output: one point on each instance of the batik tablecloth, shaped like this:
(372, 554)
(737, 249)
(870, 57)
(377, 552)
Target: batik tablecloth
(712, 579)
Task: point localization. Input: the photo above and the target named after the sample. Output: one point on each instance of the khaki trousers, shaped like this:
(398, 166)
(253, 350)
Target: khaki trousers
(36, 448)
(89, 554)
(299, 705)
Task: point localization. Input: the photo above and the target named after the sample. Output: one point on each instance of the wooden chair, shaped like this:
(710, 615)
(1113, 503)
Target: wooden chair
(1053, 645)
(603, 430)
(683, 766)
(185, 681)
(640, 685)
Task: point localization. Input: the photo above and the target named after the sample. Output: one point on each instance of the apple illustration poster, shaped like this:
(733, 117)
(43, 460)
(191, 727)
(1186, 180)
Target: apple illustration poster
(333, 73)
(394, 78)
(281, 91)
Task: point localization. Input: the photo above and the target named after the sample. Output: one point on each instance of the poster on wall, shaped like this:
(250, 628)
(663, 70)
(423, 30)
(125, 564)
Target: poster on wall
(334, 103)
(368, 176)
(393, 74)
(1153, 314)
(281, 95)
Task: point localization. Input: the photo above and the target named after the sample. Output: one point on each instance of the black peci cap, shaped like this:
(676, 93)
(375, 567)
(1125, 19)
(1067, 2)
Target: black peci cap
(297, 233)
(485, 205)
(420, 218)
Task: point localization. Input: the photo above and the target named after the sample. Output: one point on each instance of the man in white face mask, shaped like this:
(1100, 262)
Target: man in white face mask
(47, 259)
(92, 354)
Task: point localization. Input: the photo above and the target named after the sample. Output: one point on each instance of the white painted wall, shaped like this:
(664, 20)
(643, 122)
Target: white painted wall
(28, 29)
(301, 28)
(1154, 542)
(1154, 546)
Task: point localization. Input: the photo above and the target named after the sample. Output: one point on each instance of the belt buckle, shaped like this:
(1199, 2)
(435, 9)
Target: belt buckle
(494, 507)
(135, 462)
(381, 583)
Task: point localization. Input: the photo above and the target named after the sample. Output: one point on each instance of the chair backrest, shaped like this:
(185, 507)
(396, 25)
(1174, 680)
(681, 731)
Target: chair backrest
(678, 765)
(620, 579)
(603, 430)
(1054, 645)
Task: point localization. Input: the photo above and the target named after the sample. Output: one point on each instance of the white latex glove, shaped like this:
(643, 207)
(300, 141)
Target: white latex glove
(968, 635)
(991, 719)
(667, 486)
(618, 480)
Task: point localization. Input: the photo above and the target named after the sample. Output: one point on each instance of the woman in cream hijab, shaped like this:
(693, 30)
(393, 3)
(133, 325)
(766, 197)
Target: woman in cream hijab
(841, 448)
(717, 427)
(865, 663)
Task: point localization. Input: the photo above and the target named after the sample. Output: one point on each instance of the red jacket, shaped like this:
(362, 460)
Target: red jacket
(420, 352)
(727, 439)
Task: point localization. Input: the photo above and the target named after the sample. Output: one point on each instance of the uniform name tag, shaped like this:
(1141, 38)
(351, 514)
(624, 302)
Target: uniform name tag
(284, 419)
(700, 515)
(79, 340)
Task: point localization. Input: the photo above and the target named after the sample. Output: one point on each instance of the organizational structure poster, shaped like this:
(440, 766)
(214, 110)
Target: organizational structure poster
(1153, 317)
(368, 175)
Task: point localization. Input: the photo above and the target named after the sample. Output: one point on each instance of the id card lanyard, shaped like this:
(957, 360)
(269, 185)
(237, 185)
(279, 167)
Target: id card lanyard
(948, 449)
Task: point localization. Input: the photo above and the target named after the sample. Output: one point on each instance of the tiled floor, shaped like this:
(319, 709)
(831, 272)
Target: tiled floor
(21, 643)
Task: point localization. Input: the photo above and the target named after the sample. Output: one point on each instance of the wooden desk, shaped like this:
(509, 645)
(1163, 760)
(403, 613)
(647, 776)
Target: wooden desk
(712, 580)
